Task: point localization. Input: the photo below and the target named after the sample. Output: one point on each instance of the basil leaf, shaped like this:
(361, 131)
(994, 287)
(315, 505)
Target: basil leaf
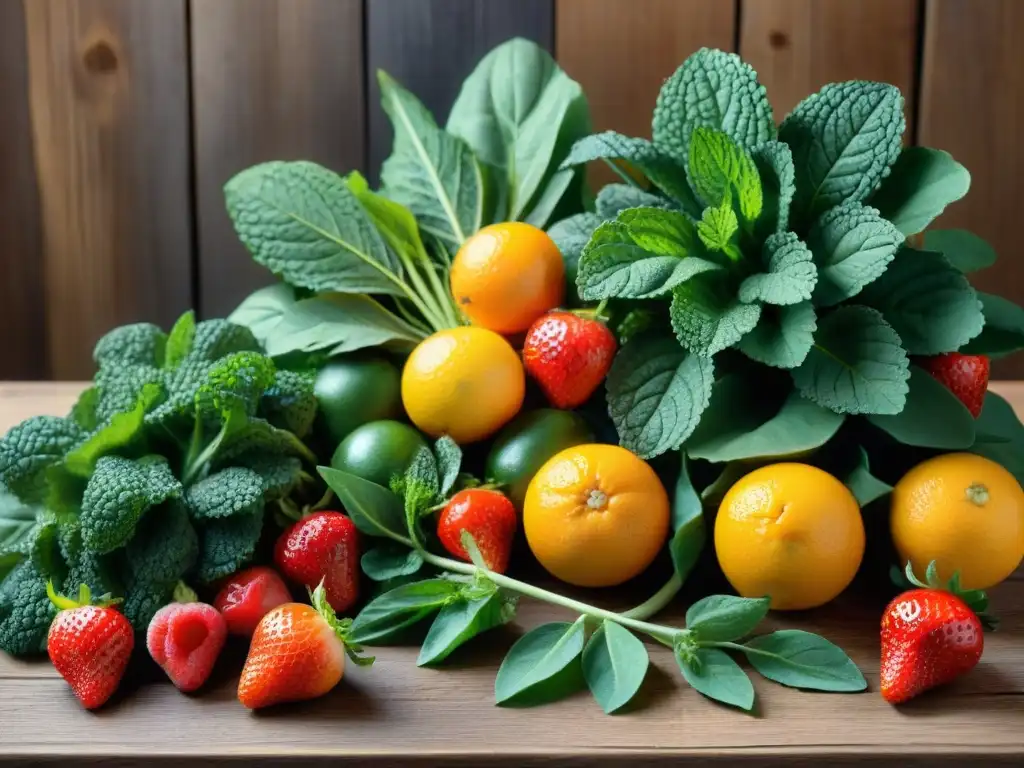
(716, 675)
(537, 657)
(689, 534)
(179, 340)
(384, 617)
(460, 621)
(718, 226)
(615, 663)
(790, 277)
(724, 618)
(917, 425)
(389, 561)
(964, 250)
(864, 486)
(922, 183)
(782, 337)
(1003, 332)
(706, 315)
(801, 659)
(375, 510)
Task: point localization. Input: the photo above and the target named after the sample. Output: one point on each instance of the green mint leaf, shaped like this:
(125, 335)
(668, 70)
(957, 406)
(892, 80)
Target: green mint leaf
(864, 486)
(706, 315)
(663, 170)
(716, 675)
(689, 531)
(449, 463)
(164, 548)
(83, 412)
(614, 665)
(389, 561)
(857, 364)
(723, 173)
(927, 301)
(430, 171)
(259, 436)
(615, 198)
(229, 492)
(716, 90)
(800, 659)
(664, 232)
(1000, 435)
(422, 483)
(922, 183)
(1003, 332)
(132, 344)
(656, 394)
(783, 336)
(791, 274)
(263, 309)
(717, 226)
(724, 618)
(537, 658)
(917, 424)
(633, 323)
(571, 235)
(852, 246)
(29, 448)
(844, 140)
(459, 622)
(964, 250)
(375, 510)
(301, 222)
(774, 163)
(385, 617)
(120, 430)
(179, 342)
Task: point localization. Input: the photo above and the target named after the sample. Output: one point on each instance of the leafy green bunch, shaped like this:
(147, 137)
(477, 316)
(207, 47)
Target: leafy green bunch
(766, 275)
(162, 472)
(366, 269)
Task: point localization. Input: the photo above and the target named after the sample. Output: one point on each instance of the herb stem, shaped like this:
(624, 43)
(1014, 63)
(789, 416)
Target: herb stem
(433, 312)
(444, 298)
(656, 602)
(621, 173)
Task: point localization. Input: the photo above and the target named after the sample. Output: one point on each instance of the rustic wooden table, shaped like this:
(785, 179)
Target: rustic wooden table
(396, 714)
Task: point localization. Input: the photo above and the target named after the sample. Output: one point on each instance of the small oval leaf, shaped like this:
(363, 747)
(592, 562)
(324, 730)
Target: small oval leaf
(615, 662)
(461, 621)
(538, 656)
(723, 618)
(804, 660)
(715, 674)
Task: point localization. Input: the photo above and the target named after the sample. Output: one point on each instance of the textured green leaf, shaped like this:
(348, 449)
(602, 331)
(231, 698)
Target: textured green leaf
(615, 198)
(774, 163)
(571, 235)
(227, 544)
(721, 172)
(852, 246)
(724, 618)
(179, 341)
(660, 231)
(689, 531)
(118, 431)
(923, 182)
(132, 344)
(707, 317)
(714, 673)
(386, 616)
(16, 522)
(229, 492)
(164, 548)
(537, 657)
(263, 309)
(1003, 332)
(864, 486)
(718, 226)
(656, 394)
(783, 336)
(857, 364)
(803, 660)
(375, 510)
(927, 301)
(29, 448)
(790, 277)
(918, 423)
(460, 621)
(964, 250)
(614, 664)
(844, 139)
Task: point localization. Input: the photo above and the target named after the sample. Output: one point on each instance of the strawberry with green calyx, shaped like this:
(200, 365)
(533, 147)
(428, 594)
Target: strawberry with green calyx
(569, 354)
(89, 643)
(966, 376)
(297, 653)
(930, 635)
(489, 517)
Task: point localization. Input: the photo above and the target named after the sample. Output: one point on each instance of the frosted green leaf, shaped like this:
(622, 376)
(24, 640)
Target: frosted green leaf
(964, 250)
(790, 277)
(707, 317)
(923, 182)
(774, 163)
(783, 336)
(614, 198)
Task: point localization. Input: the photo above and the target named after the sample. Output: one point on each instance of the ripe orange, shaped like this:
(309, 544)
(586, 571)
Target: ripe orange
(507, 275)
(790, 531)
(963, 511)
(463, 382)
(595, 515)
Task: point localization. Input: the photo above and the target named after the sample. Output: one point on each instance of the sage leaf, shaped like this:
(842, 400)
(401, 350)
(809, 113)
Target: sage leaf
(790, 277)
(389, 561)
(300, 221)
(537, 657)
(917, 425)
(1003, 332)
(724, 618)
(721, 172)
(716, 675)
(864, 486)
(449, 463)
(964, 250)
(783, 336)
(375, 510)
(385, 617)
(263, 309)
(706, 315)
(774, 163)
(922, 183)
(689, 530)
(656, 394)
(857, 366)
(612, 199)
(460, 621)
(615, 663)
(571, 235)
(1000, 435)
(801, 659)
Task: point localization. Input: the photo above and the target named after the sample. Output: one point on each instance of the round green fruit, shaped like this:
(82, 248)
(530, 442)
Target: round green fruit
(523, 447)
(353, 391)
(378, 451)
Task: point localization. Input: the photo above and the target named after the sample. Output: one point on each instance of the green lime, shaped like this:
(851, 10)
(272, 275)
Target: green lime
(378, 451)
(354, 391)
(523, 446)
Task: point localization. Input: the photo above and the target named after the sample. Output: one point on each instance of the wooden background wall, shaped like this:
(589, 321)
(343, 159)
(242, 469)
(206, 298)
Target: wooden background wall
(122, 119)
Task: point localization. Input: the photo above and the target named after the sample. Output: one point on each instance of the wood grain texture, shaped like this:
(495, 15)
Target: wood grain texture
(395, 713)
(621, 53)
(430, 46)
(22, 314)
(108, 89)
(797, 46)
(972, 105)
(271, 80)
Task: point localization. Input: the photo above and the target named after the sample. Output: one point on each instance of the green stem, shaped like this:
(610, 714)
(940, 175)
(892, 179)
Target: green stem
(433, 312)
(657, 602)
(734, 647)
(411, 319)
(444, 298)
(621, 173)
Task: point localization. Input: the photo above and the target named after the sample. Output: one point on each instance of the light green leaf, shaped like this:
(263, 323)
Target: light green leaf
(964, 250)
(927, 301)
(783, 336)
(804, 660)
(179, 341)
(549, 197)
(918, 423)
(1000, 435)
(660, 231)
(852, 246)
(718, 226)
(724, 618)
(714, 673)
(615, 198)
(301, 222)
(385, 617)
(375, 510)
(460, 621)
(857, 364)
(923, 182)
(118, 431)
(791, 274)
(394, 221)
(614, 665)
(690, 533)
(844, 139)
(263, 309)
(537, 657)
(864, 486)
(656, 394)
(721, 172)
(449, 462)
(716, 90)
(431, 172)
(774, 163)
(707, 317)
(1003, 332)
(389, 561)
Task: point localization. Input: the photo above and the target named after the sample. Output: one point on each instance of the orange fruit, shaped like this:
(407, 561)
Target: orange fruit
(463, 382)
(964, 512)
(595, 515)
(507, 275)
(790, 531)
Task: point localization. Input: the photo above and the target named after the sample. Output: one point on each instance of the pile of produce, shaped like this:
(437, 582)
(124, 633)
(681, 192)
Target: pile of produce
(751, 359)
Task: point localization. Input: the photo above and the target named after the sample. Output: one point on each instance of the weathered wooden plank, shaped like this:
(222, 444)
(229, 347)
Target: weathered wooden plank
(972, 105)
(797, 46)
(22, 313)
(430, 46)
(271, 80)
(108, 88)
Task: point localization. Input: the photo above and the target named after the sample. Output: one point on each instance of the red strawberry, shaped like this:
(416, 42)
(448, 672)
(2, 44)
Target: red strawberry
(89, 645)
(322, 547)
(490, 519)
(569, 356)
(246, 597)
(929, 637)
(966, 376)
(185, 639)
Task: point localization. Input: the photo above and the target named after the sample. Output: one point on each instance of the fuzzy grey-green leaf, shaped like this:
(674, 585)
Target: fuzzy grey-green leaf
(615, 198)
(774, 163)
(790, 274)
(715, 674)
(923, 182)
(614, 665)
(707, 317)
(783, 335)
